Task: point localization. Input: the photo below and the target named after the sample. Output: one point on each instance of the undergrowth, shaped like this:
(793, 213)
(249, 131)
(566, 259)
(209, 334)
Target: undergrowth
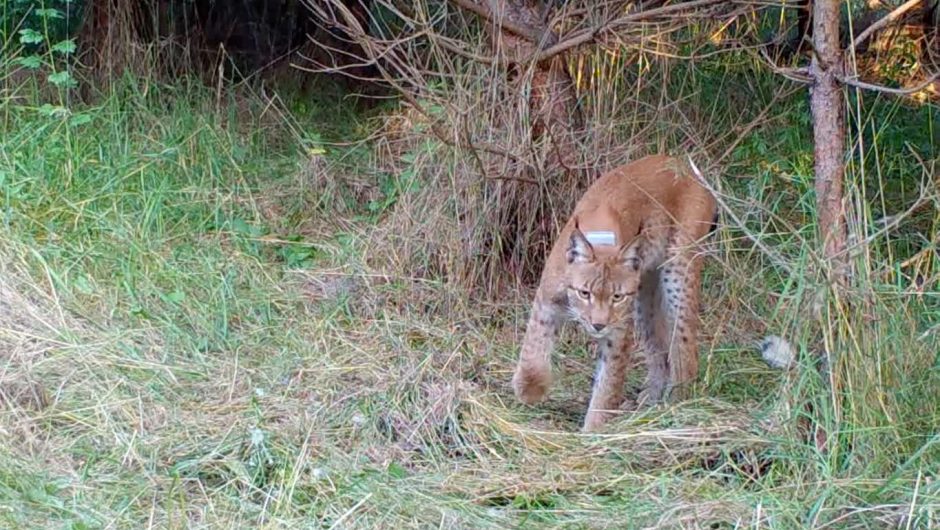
(196, 330)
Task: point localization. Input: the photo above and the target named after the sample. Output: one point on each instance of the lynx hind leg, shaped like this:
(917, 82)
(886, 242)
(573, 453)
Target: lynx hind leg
(651, 331)
(608, 392)
(680, 283)
(533, 375)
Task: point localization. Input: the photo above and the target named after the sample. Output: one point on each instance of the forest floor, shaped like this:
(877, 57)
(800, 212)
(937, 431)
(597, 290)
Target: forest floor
(191, 336)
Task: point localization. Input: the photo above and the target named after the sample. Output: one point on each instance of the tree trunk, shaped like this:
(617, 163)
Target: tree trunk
(828, 134)
(109, 30)
(552, 102)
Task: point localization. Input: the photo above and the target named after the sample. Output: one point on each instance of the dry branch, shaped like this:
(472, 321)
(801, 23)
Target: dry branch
(894, 15)
(799, 75)
(502, 23)
(594, 34)
(897, 91)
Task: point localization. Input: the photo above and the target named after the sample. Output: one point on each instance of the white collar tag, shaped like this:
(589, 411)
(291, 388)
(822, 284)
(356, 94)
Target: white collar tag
(603, 238)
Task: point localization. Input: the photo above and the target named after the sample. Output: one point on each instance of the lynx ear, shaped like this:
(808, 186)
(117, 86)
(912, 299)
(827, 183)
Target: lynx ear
(579, 249)
(631, 254)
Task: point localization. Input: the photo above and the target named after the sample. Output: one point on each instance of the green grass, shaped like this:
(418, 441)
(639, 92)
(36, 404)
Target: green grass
(194, 333)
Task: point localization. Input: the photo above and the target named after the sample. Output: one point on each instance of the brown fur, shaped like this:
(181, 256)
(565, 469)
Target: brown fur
(646, 284)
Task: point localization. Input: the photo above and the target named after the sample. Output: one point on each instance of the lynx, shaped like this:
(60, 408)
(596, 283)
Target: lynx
(625, 264)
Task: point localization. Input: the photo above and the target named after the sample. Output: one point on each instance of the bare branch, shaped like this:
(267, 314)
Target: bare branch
(585, 35)
(591, 34)
(446, 43)
(897, 91)
(895, 14)
(530, 34)
(800, 75)
(893, 221)
(463, 143)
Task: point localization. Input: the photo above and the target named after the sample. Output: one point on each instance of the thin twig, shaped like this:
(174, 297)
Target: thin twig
(589, 35)
(775, 259)
(750, 126)
(892, 223)
(359, 34)
(445, 43)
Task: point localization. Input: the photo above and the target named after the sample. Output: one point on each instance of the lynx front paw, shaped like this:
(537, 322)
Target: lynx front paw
(594, 420)
(650, 395)
(531, 385)
(678, 392)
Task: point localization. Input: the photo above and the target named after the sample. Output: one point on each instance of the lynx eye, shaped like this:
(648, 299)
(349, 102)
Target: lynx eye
(620, 297)
(584, 293)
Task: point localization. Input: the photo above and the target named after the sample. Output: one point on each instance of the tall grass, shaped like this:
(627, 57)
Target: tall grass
(198, 329)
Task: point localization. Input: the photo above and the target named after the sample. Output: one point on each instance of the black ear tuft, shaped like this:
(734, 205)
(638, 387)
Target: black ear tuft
(631, 254)
(579, 248)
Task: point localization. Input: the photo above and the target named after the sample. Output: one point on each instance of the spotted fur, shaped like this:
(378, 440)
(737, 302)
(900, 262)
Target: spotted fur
(645, 287)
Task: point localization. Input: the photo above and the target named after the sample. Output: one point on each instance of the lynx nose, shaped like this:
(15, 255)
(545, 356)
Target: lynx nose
(599, 327)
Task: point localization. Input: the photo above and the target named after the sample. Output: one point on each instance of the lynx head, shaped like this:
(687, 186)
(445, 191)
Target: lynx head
(602, 281)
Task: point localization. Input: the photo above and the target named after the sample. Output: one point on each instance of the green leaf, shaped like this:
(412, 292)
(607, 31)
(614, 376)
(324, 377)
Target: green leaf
(65, 47)
(49, 13)
(299, 255)
(139, 311)
(62, 79)
(241, 227)
(79, 119)
(30, 61)
(83, 285)
(30, 36)
(53, 111)
(395, 470)
(176, 296)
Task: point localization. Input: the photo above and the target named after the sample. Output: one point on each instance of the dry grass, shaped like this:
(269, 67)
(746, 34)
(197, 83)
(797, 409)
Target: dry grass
(407, 413)
(206, 321)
